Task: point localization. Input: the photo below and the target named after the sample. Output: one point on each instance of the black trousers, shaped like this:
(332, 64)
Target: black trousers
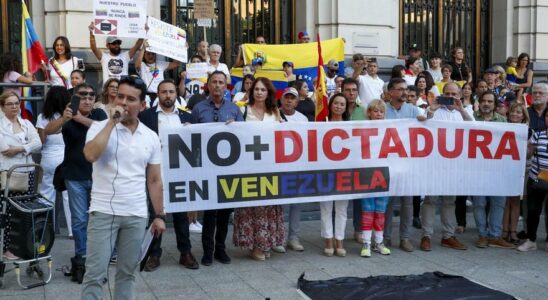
(460, 210)
(215, 229)
(535, 200)
(182, 234)
(416, 206)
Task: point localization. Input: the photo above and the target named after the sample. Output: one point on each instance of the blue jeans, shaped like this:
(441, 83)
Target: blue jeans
(104, 232)
(79, 198)
(496, 211)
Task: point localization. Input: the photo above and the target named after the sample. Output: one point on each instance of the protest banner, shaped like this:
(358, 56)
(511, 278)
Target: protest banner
(196, 70)
(166, 39)
(214, 166)
(203, 9)
(121, 18)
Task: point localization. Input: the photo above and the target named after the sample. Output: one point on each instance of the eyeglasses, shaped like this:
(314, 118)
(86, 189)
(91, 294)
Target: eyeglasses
(216, 114)
(85, 94)
(14, 104)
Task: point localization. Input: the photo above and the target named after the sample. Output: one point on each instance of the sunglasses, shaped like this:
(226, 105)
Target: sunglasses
(84, 94)
(116, 43)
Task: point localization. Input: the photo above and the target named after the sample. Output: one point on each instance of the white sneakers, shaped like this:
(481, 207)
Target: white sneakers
(527, 246)
(195, 227)
(295, 245)
(278, 249)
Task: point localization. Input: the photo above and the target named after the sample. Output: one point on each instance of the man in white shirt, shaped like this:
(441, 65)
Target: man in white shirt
(126, 158)
(371, 85)
(455, 112)
(114, 63)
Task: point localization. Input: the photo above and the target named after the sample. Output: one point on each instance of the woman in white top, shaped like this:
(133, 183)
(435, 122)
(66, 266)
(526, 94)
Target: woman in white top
(53, 149)
(214, 63)
(18, 140)
(338, 111)
(61, 65)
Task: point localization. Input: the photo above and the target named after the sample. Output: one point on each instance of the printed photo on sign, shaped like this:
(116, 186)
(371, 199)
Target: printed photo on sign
(122, 18)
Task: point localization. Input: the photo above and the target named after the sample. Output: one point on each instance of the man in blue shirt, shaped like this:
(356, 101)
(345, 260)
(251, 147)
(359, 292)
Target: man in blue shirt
(216, 109)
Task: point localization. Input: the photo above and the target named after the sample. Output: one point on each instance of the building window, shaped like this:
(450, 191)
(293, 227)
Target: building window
(441, 25)
(10, 16)
(237, 22)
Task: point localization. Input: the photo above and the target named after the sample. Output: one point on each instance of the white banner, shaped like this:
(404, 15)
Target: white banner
(210, 166)
(121, 18)
(166, 39)
(196, 70)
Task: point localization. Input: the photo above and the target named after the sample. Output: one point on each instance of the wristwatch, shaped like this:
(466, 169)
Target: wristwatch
(160, 216)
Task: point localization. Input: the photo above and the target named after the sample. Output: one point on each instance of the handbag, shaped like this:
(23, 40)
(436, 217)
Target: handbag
(19, 181)
(59, 178)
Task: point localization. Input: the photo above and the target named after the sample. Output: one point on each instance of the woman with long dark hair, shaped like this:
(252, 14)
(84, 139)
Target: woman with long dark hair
(461, 71)
(305, 105)
(338, 111)
(53, 146)
(260, 229)
(61, 65)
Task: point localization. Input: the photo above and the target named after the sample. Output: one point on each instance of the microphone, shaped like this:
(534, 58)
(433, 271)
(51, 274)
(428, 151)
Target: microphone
(117, 115)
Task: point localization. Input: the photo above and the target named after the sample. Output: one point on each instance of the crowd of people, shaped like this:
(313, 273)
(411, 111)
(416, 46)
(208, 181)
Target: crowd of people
(107, 209)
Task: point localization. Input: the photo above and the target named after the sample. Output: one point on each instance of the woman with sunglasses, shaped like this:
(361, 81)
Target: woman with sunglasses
(18, 140)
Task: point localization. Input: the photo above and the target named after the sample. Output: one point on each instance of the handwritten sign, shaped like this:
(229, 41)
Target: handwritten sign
(166, 39)
(121, 18)
(203, 9)
(196, 70)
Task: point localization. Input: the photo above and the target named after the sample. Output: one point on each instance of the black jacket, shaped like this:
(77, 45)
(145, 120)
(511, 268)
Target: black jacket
(149, 117)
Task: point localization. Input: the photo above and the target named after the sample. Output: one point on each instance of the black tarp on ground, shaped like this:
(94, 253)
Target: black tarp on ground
(428, 286)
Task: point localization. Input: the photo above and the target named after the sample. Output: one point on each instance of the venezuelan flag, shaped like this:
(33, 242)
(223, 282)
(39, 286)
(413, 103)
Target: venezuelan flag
(277, 77)
(32, 54)
(303, 56)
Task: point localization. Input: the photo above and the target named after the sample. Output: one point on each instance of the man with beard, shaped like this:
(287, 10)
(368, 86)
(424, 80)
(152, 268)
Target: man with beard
(155, 118)
(489, 236)
(114, 62)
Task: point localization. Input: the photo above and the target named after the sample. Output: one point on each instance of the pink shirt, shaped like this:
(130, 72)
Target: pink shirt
(11, 77)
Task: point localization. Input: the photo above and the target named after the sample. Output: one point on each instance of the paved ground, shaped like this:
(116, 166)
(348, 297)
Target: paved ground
(523, 275)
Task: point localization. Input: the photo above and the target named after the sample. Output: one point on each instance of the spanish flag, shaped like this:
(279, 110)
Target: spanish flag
(322, 106)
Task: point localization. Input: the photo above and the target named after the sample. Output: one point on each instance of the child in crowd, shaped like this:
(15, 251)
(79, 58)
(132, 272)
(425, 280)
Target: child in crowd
(511, 73)
(373, 209)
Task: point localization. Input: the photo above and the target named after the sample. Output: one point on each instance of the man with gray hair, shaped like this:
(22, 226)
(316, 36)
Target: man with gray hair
(540, 97)
(214, 63)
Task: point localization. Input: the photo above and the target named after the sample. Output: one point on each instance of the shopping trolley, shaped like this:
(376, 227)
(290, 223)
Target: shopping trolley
(32, 233)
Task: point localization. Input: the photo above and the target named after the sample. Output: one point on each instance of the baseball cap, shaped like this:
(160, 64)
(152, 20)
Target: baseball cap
(302, 34)
(290, 90)
(289, 63)
(332, 64)
(491, 70)
(112, 39)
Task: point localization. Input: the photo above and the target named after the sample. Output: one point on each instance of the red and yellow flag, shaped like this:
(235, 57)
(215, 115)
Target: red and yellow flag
(322, 107)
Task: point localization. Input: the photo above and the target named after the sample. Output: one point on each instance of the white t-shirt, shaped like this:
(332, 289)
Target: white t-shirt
(119, 174)
(114, 66)
(153, 74)
(64, 69)
(54, 144)
(296, 117)
(410, 80)
(436, 74)
(330, 85)
(370, 88)
(445, 114)
(193, 87)
(220, 67)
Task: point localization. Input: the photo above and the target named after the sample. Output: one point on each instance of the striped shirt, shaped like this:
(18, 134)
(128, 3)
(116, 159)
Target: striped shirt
(540, 156)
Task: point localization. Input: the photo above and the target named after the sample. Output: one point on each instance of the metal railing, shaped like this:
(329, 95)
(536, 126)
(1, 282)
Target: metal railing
(39, 89)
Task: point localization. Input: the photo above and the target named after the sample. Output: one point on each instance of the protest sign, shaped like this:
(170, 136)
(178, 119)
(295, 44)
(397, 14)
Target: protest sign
(196, 70)
(214, 166)
(203, 9)
(166, 39)
(121, 18)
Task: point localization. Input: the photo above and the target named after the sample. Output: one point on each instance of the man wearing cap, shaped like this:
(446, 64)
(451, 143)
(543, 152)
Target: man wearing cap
(490, 77)
(371, 85)
(331, 74)
(303, 37)
(114, 62)
(289, 101)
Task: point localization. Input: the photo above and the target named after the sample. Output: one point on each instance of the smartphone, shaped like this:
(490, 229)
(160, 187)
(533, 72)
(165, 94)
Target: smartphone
(445, 100)
(183, 67)
(75, 104)
(81, 65)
